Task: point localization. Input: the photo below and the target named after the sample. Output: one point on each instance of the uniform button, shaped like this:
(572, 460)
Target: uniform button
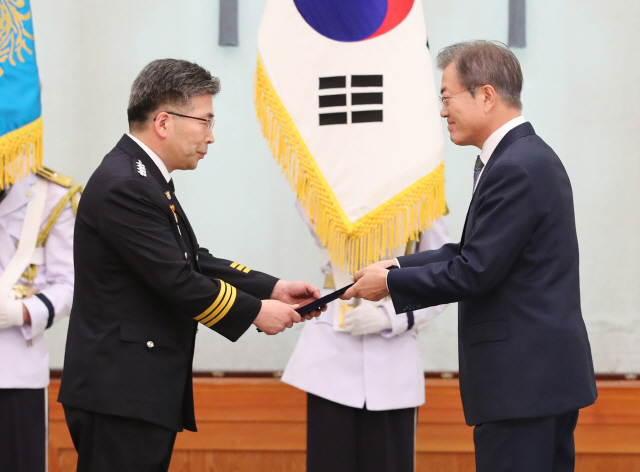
(186, 256)
(150, 344)
(196, 257)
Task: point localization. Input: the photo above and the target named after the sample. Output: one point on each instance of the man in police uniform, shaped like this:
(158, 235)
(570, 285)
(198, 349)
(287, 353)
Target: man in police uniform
(143, 283)
(36, 289)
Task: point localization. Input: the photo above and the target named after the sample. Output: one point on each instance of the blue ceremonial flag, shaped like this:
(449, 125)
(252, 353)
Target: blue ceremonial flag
(20, 108)
(346, 97)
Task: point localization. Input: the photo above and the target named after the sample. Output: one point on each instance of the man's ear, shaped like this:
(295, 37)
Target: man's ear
(162, 125)
(490, 97)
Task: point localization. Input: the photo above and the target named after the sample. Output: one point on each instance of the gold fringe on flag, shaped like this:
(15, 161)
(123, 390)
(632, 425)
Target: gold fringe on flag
(351, 246)
(20, 152)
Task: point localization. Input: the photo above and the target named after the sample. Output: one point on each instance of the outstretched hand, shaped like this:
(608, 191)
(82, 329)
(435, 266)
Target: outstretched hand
(275, 316)
(298, 292)
(370, 282)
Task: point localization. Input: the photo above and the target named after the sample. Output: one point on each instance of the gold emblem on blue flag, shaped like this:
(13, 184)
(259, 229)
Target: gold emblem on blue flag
(20, 108)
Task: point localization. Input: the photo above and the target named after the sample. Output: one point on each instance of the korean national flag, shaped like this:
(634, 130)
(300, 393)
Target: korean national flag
(346, 97)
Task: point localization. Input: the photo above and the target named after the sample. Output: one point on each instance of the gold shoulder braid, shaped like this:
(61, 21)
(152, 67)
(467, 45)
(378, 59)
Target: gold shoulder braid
(72, 195)
(55, 177)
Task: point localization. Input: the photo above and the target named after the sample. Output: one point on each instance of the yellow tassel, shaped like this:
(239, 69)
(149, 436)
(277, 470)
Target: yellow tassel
(20, 152)
(350, 245)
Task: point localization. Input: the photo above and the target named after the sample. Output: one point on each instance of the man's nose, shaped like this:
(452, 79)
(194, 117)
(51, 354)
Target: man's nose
(444, 112)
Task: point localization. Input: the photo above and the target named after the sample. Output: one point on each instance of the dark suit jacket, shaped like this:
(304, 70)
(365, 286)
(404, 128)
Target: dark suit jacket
(523, 346)
(141, 281)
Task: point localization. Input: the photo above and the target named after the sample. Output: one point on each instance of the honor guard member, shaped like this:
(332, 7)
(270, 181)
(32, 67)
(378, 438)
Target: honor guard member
(143, 283)
(362, 370)
(37, 216)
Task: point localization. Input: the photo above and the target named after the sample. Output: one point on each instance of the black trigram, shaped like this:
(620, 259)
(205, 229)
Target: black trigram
(358, 98)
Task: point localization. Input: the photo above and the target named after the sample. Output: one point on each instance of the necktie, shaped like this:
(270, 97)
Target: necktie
(476, 171)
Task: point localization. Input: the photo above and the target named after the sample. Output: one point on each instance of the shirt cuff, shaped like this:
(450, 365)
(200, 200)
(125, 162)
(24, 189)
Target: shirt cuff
(39, 313)
(399, 323)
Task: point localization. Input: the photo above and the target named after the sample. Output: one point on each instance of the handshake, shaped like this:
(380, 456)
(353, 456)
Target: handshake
(279, 312)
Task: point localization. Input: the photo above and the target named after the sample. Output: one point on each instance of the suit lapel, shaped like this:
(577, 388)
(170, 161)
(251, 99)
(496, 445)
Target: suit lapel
(525, 129)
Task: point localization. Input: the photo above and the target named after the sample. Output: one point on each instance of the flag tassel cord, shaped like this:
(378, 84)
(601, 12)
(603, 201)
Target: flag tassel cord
(350, 245)
(21, 152)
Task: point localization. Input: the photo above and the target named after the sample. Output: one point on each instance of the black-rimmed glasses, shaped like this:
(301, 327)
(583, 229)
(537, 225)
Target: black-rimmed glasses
(210, 122)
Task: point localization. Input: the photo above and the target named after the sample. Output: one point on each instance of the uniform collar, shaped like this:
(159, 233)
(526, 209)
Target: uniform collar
(133, 149)
(154, 157)
(492, 141)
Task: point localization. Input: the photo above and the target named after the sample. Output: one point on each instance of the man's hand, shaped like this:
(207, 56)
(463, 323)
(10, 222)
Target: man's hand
(11, 312)
(299, 293)
(367, 318)
(370, 282)
(275, 316)
(384, 263)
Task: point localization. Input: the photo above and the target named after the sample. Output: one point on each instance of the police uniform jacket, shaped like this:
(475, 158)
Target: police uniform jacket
(523, 346)
(142, 285)
(24, 359)
(383, 370)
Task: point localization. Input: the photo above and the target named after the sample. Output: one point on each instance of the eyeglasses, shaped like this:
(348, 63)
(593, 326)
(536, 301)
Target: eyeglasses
(444, 99)
(210, 122)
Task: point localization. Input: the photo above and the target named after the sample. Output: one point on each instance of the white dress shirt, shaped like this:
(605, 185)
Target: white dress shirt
(492, 142)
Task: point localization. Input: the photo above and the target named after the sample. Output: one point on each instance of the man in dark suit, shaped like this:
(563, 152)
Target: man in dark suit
(525, 360)
(143, 283)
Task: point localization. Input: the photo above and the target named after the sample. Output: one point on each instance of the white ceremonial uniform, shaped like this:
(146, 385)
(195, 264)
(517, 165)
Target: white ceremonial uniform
(383, 370)
(24, 360)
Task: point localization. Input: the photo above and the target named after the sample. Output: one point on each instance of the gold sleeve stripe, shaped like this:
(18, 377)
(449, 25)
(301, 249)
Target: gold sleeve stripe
(240, 267)
(226, 309)
(220, 307)
(205, 313)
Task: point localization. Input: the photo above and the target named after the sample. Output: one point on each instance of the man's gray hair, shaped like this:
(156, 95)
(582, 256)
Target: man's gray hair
(481, 63)
(168, 82)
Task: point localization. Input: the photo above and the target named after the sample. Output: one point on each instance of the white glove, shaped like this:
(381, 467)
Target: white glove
(10, 312)
(367, 318)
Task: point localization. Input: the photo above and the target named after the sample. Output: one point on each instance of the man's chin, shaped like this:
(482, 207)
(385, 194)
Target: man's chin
(457, 140)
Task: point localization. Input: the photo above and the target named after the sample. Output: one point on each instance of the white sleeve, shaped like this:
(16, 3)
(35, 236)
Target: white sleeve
(54, 301)
(433, 238)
